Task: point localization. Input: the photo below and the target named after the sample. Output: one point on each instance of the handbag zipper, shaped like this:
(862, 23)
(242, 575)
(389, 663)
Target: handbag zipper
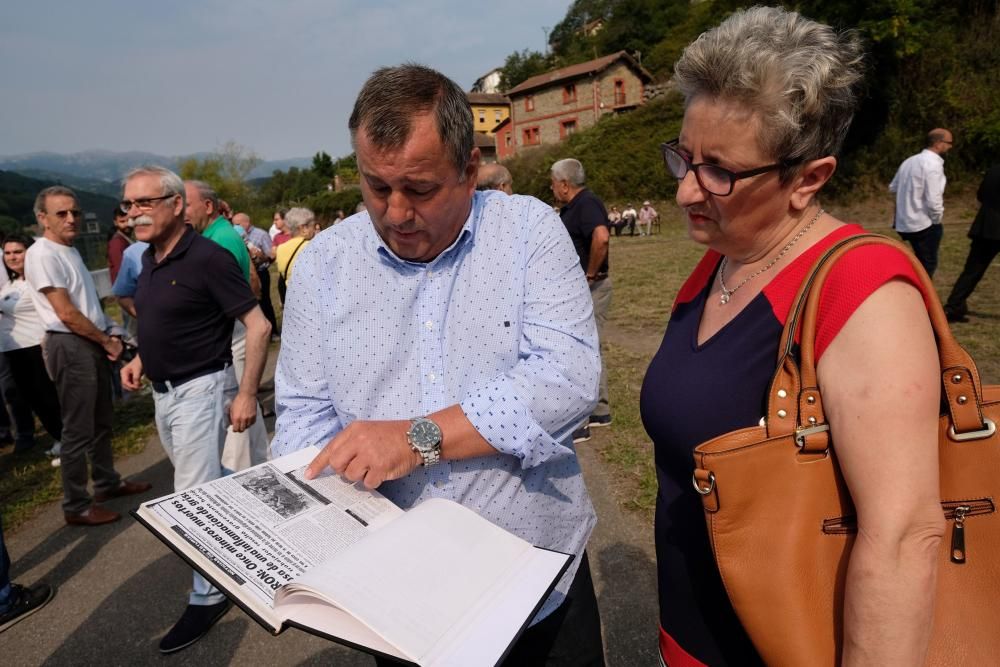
(954, 510)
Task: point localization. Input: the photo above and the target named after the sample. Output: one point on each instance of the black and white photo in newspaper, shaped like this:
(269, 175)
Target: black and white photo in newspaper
(267, 525)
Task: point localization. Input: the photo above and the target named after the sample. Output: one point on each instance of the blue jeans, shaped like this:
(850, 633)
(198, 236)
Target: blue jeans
(191, 420)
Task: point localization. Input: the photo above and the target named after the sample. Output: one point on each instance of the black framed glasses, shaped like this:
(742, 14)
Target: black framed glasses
(145, 204)
(711, 177)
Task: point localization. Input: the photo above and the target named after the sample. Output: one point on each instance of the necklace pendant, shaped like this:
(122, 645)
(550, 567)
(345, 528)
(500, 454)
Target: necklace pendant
(724, 298)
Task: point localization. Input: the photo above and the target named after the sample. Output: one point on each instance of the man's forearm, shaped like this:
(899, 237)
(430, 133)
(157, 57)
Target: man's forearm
(127, 304)
(258, 335)
(460, 439)
(77, 323)
(598, 253)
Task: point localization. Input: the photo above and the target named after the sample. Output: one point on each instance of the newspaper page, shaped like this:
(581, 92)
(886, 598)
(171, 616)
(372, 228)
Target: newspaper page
(268, 525)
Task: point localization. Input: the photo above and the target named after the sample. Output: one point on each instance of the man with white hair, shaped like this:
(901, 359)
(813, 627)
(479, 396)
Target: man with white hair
(586, 219)
(189, 292)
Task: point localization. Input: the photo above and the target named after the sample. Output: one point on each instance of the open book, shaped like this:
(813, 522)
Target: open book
(436, 585)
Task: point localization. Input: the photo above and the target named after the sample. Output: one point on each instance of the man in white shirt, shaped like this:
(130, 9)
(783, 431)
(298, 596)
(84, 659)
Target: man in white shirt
(919, 189)
(79, 345)
(647, 215)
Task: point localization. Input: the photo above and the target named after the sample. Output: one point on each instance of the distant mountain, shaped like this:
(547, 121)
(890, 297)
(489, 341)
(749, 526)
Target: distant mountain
(17, 197)
(109, 166)
(109, 188)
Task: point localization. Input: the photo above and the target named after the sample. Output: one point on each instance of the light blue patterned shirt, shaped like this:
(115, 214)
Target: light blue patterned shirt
(501, 323)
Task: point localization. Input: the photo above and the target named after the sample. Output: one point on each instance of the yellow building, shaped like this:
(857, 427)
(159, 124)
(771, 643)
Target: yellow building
(488, 111)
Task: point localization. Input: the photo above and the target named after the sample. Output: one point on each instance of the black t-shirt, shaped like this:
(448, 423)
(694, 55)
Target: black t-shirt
(582, 216)
(186, 305)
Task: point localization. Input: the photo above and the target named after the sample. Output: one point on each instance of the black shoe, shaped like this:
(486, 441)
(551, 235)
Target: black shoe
(603, 420)
(581, 434)
(955, 317)
(24, 602)
(195, 623)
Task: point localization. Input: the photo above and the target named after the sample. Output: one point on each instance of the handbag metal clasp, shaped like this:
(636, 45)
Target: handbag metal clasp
(989, 428)
(711, 484)
(804, 432)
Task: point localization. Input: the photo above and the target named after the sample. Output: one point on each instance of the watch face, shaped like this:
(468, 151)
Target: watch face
(425, 434)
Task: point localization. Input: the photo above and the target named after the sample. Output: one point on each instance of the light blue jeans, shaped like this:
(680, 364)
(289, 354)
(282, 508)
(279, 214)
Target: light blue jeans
(192, 420)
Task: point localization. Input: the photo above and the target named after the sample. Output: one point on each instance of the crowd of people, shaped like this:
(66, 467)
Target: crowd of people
(459, 354)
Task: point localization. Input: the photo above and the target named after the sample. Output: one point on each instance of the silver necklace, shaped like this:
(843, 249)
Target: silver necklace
(727, 293)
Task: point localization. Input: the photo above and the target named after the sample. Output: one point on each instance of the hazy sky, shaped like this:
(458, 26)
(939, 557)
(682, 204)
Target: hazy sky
(179, 76)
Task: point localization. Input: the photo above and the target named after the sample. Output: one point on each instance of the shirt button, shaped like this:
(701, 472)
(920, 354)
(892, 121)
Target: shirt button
(439, 484)
(431, 377)
(429, 325)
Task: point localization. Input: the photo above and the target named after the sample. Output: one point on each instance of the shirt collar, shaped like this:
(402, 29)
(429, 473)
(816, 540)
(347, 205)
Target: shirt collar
(934, 155)
(466, 237)
(216, 223)
(183, 243)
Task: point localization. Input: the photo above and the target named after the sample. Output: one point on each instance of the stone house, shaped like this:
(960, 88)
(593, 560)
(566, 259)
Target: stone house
(547, 108)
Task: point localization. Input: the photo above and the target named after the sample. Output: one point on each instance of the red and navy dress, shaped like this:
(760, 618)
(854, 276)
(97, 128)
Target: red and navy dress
(692, 393)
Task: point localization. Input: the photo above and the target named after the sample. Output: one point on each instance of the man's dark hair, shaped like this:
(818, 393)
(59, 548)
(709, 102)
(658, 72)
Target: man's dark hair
(392, 96)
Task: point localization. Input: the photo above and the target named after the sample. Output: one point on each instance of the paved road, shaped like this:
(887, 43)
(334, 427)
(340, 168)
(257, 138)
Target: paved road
(120, 589)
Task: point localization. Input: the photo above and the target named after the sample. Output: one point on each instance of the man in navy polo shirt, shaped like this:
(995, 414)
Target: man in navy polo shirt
(586, 220)
(188, 294)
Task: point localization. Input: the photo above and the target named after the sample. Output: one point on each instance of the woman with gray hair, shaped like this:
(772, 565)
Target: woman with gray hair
(768, 98)
(300, 224)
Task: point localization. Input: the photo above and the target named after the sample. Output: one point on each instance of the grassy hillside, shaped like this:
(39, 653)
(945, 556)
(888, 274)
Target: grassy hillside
(621, 155)
(930, 63)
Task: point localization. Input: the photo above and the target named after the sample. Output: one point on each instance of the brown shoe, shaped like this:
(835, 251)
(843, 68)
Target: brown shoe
(124, 489)
(95, 515)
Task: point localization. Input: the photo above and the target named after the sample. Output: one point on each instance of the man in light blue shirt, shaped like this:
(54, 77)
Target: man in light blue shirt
(442, 344)
(128, 277)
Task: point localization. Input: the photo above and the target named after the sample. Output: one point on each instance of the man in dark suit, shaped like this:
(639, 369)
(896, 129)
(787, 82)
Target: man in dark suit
(985, 235)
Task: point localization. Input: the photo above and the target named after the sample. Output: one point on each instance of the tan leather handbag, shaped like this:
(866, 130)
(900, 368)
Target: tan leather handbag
(781, 521)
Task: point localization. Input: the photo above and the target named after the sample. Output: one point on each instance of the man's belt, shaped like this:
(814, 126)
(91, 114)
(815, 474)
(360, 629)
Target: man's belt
(166, 385)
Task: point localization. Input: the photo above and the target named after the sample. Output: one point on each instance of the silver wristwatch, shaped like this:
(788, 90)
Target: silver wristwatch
(424, 437)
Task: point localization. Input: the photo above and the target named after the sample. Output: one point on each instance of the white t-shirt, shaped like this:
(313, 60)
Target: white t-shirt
(20, 325)
(49, 264)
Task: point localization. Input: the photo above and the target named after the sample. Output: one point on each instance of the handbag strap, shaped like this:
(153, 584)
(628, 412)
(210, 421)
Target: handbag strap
(288, 266)
(794, 400)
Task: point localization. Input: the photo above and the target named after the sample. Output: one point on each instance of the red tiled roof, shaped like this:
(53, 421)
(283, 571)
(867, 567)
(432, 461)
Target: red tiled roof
(580, 69)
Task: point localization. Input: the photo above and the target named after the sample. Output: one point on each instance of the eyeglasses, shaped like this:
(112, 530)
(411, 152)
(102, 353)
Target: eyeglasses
(145, 204)
(62, 215)
(711, 177)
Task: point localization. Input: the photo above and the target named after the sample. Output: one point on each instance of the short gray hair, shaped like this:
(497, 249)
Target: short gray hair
(298, 217)
(492, 176)
(392, 96)
(53, 191)
(798, 77)
(207, 193)
(571, 171)
(170, 183)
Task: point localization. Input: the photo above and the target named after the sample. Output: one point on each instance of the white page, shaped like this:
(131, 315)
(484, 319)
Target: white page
(485, 633)
(417, 579)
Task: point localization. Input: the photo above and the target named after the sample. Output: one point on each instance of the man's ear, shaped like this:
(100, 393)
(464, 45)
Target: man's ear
(810, 179)
(471, 171)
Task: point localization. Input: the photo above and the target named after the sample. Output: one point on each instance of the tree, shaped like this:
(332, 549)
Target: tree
(226, 170)
(323, 165)
(519, 67)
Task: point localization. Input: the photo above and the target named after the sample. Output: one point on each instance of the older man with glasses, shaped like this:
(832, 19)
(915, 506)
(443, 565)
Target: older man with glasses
(188, 295)
(79, 344)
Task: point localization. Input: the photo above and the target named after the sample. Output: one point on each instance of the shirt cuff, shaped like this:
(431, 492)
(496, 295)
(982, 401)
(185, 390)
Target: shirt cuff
(507, 424)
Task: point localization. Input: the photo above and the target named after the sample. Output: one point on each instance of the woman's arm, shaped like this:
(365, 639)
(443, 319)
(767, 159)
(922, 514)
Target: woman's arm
(880, 380)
